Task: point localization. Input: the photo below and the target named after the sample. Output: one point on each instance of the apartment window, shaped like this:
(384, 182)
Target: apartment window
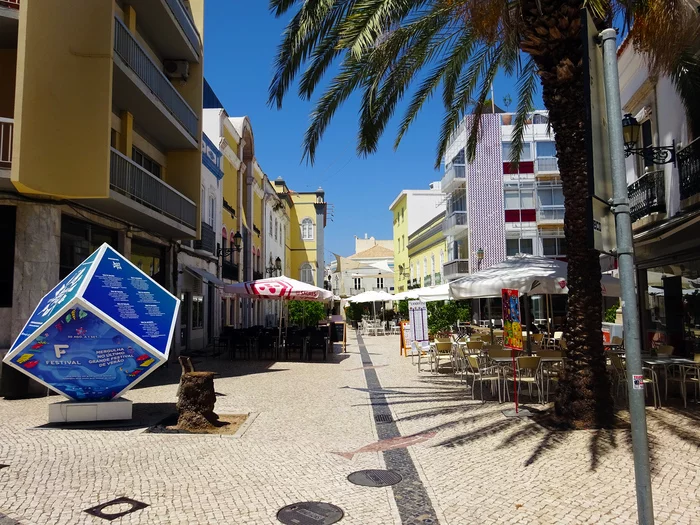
(425, 266)
(306, 274)
(546, 149)
(525, 154)
(212, 211)
(380, 282)
(197, 312)
(516, 246)
(7, 255)
(307, 230)
(146, 162)
(432, 264)
(459, 158)
(457, 201)
(149, 258)
(276, 229)
(78, 240)
(554, 247)
(538, 118)
(522, 198)
(442, 259)
(270, 223)
(203, 204)
(550, 196)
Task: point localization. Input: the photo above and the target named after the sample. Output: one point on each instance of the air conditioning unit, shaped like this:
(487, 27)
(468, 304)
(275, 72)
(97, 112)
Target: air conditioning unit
(177, 69)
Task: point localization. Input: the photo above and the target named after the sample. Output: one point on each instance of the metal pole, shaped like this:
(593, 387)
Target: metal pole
(625, 255)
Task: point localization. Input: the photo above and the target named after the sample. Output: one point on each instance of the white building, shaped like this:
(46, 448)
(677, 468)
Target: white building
(371, 268)
(199, 277)
(276, 217)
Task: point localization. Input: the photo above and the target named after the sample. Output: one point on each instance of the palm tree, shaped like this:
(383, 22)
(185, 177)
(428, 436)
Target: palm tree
(384, 48)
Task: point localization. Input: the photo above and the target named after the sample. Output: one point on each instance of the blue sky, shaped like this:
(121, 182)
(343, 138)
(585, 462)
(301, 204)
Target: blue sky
(240, 41)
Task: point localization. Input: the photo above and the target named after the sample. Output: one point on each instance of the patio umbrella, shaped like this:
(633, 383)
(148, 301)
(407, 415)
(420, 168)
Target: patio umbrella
(529, 274)
(279, 288)
(434, 293)
(372, 296)
(409, 294)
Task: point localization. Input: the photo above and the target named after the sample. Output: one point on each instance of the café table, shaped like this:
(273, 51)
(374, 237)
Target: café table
(665, 362)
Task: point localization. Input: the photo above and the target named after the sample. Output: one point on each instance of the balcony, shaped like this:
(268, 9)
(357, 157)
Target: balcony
(456, 268)
(546, 166)
(413, 284)
(7, 128)
(168, 25)
(229, 270)
(689, 173)
(207, 242)
(454, 176)
(455, 222)
(550, 215)
(437, 278)
(146, 200)
(141, 87)
(428, 280)
(385, 289)
(647, 195)
(356, 291)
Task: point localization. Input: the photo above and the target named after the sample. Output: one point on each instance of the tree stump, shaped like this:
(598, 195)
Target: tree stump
(196, 400)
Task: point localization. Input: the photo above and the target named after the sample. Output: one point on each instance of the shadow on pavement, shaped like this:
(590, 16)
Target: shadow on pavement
(144, 415)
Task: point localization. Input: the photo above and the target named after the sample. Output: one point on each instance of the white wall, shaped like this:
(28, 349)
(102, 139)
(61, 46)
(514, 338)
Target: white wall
(423, 206)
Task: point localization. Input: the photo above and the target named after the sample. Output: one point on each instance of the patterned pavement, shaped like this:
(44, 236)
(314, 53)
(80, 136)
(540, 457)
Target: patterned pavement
(469, 465)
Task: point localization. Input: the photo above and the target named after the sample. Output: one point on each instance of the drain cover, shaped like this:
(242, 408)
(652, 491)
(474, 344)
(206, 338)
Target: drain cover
(122, 507)
(310, 513)
(383, 418)
(375, 478)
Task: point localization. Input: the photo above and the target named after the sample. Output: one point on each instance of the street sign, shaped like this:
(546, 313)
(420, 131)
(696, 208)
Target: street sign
(600, 219)
(99, 332)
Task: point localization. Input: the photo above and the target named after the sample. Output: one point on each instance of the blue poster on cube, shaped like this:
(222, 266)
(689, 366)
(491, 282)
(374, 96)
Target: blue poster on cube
(99, 332)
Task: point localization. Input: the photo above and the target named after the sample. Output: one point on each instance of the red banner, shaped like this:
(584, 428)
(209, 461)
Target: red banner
(512, 325)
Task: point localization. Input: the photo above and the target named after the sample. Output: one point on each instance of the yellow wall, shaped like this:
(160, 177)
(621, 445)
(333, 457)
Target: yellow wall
(8, 66)
(184, 173)
(302, 251)
(230, 188)
(431, 247)
(63, 98)
(400, 230)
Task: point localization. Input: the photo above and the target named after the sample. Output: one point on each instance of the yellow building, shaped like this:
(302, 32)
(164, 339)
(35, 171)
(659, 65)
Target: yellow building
(413, 211)
(427, 249)
(305, 238)
(100, 105)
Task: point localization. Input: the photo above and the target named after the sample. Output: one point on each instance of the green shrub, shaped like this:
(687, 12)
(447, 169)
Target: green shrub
(443, 315)
(353, 311)
(611, 313)
(306, 313)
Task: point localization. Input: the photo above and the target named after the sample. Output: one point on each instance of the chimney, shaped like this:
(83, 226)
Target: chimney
(365, 236)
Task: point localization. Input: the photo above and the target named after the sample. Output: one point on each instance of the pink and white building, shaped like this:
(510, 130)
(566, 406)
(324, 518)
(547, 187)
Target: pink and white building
(495, 210)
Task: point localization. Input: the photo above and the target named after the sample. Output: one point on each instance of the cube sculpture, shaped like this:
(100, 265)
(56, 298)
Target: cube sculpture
(99, 331)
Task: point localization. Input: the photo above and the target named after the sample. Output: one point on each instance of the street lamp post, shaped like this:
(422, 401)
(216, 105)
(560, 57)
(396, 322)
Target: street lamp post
(275, 268)
(226, 252)
(653, 154)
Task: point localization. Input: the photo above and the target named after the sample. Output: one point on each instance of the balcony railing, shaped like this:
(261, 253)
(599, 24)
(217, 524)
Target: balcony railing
(550, 213)
(456, 221)
(186, 23)
(428, 280)
(6, 130)
(14, 4)
(133, 55)
(385, 289)
(437, 278)
(229, 270)
(689, 169)
(456, 268)
(356, 291)
(130, 179)
(208, 241)
(455, 174)
(546, 165)
(647, 195)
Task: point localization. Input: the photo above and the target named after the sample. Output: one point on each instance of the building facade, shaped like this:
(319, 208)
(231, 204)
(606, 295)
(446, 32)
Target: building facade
(370, 268)
(129, 101)
(664, 203)
(274, 261)
(496, 209)
(411, 210)
(427, 249)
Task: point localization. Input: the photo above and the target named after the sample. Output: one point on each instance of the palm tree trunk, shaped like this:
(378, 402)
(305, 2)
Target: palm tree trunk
(553, 39)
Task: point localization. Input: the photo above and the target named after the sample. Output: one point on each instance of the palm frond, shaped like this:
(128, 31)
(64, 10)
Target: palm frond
(527, 85)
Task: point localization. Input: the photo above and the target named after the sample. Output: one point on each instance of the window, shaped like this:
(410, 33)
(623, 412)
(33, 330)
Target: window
(146, 162)
(546, 149)
(442, 259)
(78, 240)
(276, 228)
(307, 230)
(380, 282)
(554, 247)
(432, 264)
(212, 211)
(270, 223)
(7, 255)
(203, 205)
(150, 258)
(537, 118)
(197, 312)
(525, 154)
(306, 274)
(519, 199)
(516, 246)
(550, 196)
(425, 266)
(512, 199)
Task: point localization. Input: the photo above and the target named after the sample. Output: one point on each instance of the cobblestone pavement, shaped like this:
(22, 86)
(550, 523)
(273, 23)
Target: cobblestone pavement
(471, 465)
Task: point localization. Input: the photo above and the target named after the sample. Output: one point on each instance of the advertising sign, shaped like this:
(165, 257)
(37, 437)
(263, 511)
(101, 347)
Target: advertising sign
(512, 327)
(99, 331)
(418, 317)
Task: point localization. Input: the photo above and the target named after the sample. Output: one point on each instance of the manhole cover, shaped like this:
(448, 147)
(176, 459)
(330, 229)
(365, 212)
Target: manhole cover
(310, 513)
(116, 508)
(375, 478)
(383, 418)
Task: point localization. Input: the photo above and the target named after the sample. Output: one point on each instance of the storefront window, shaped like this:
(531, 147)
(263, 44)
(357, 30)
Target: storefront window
(149, 258)
(79, 239)
(197, 312)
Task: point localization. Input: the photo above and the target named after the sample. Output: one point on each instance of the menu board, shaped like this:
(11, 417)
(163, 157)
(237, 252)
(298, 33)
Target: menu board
(100, 331)
(406, 338)
(418, 316)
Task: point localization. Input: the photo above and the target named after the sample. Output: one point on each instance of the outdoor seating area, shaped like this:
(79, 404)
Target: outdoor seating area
(267, 343)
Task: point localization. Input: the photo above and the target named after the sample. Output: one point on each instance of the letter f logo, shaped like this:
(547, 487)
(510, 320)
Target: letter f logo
(59, 350)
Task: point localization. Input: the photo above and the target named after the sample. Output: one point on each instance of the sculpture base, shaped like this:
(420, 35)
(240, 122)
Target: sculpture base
(75, 411)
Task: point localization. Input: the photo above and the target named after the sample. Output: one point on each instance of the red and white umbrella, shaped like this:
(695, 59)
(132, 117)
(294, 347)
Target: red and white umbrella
(279, 288)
